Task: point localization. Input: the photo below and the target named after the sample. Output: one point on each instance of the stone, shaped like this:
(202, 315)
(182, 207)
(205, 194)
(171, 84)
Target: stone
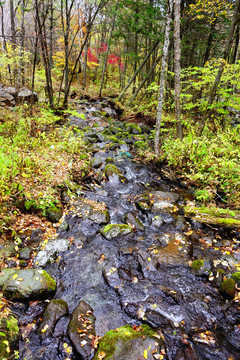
(53, 312)
(54, 214)
(157, 221)
(134, 221)
(11, 90)
(27, 284)
(166, 196)
(96, 162)
(81, 329)
(227, 288)
(25, 95)
(51, 251)
(112, 231)
(128, 343)
(143, 206)
(25, 253)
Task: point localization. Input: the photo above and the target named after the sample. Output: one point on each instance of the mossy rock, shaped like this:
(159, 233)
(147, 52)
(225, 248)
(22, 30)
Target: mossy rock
(53, 312)
(54, 213)
(133, 128)
(236, 277)
(143, 206)
(214, 216)
(134, 221)
(227, 288)
(112, 231)
(26, 284)
(9, 335)
(197, 264)
(128, 343)
(112, 171)
(7, 251)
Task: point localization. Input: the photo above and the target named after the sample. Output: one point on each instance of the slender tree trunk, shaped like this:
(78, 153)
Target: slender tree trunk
(21, 77)
(122, 95)
(5, 42)
(162, 79)
(51, 33)
(107, 53)
(13, 36)
(209, 43)
(236, 45)
(177, 67)
(144, 81)
(226, 52)
(85, 66)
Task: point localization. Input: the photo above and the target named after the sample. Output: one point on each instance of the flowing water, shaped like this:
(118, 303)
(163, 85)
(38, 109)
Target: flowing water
(152, 281)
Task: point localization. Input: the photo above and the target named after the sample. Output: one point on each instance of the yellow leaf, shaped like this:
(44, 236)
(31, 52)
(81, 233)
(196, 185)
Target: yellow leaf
(145, 354)
(15, 276)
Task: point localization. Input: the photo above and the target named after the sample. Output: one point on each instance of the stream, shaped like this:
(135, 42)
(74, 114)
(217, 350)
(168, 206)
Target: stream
(137, 274)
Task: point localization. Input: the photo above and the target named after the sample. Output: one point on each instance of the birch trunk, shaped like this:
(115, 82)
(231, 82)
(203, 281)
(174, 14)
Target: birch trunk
(177, 67)
(162, 78)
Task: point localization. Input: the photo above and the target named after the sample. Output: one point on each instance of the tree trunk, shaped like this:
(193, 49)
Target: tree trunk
(209, 43)
(177, 68)
(162, 79)
(122, 95)
(220, 69)
(107, 53)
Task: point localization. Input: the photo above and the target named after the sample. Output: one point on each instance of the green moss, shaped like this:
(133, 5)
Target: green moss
(111, 169)
(112, 226)
(126, 333)
(197, 264)
(133, 128)
(227, 288)
(236, 277)
(51, 283)
(216, 216)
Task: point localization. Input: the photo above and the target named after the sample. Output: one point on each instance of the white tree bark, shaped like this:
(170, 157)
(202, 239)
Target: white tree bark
(162, 78)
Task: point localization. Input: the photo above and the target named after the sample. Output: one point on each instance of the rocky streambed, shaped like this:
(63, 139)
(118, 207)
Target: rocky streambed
(130, 275)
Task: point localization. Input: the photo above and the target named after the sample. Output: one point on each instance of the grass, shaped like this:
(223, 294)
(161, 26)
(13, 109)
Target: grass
(37, 159)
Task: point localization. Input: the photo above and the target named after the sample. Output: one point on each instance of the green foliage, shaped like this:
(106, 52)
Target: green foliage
(211, 160)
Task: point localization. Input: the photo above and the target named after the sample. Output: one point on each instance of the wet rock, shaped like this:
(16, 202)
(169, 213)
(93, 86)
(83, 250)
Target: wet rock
(64, 226)
(23, 263)
(227, 288)
(81, 329)
(166, 196)
(111, 276)
(96, 162)
(202, 268)
(54, 214)
(157, 221)
(26, 284)
(10, 263)
(128, 343)
(143, 206)
(112, 231)
(100, 217)
(54, 311)
(160, 205)
(134, 221)
(9, 335)
(25, 253)
(51, 251)
(113, 174)
(35, 237)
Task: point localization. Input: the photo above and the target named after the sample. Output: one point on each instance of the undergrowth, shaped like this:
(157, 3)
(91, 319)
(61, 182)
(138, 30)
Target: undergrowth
(211, 162)
(37, 158)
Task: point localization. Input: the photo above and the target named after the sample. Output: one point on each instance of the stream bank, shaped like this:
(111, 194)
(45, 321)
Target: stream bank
(125, 258)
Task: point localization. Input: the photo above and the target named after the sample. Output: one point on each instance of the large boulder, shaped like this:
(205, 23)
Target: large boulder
(6, 99)
(128, 343)
(25, 95)
(27, 284)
